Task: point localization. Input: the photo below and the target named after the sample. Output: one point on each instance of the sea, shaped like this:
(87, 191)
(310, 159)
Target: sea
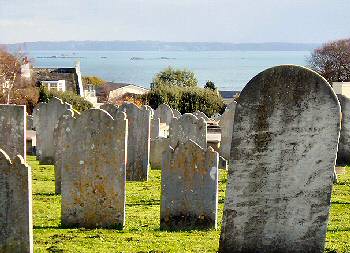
(229, 70)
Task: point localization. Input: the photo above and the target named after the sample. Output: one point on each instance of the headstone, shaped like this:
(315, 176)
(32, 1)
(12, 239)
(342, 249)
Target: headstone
(189, 198)
(16, 226)
(158, 146)
(13, 130)
(49, 114)
(35, 115)
(343, 156)
(110, 108)
(164, 113)
(139, 121)
(61, 143)
(155, 127)
(177, 114)
(188, 127)
(30, 125)
(283, 153)
(226, 125)
(93, 171)
(199, 114)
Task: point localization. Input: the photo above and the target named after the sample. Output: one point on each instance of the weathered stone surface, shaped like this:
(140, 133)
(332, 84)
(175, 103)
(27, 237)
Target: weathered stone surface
(188, 127)
(35, 115)
(226, 122)
(155, 127)
(110, 108)
(199, 114)
(177, 114)
(13, 130)
(16, 226)
(215, 117)
(164, 113)
(30, 125)
(48, 114)
(158, 146)
(93, 171)
(61, 143)
(139, 121)
(344, 140)
(284, 146)
(189, 187)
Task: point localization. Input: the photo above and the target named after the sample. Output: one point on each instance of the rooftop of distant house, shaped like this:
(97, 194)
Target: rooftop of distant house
(229, 93)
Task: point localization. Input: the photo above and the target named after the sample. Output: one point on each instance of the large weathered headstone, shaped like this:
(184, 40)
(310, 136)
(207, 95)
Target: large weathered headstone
(13, 130)
(61, 143)
(16, 226)
(164, 113)
(188, 127)
(283, 153)
(139, 121)
(48, 114)
(93, 171)
(189, 196)
(344, 140)
(226, 125)
(155, 128)
(110, 108)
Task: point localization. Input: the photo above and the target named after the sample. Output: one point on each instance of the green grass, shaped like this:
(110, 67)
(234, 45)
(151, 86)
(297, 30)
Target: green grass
(141, 233)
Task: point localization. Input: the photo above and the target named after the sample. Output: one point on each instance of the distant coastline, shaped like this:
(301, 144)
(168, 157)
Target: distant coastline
(158, 46)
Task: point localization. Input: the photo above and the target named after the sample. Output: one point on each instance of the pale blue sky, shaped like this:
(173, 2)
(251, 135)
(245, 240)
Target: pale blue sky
(175, 20)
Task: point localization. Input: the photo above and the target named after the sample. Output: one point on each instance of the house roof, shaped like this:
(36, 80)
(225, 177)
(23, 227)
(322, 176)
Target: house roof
(229, 93)
(110, 86)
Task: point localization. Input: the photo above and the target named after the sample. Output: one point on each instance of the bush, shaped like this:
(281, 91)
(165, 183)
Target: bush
(186, 99)
(93, 80)
(174, 77)
(78, 103)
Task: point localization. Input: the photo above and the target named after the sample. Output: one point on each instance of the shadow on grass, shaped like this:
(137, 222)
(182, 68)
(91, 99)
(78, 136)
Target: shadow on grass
(45, 194)
(340, 202)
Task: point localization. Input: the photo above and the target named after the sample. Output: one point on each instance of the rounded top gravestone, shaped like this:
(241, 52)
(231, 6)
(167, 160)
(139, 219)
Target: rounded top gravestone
(283, 152)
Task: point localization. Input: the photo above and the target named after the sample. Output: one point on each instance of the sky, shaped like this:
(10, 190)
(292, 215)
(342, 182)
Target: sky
(237, 21)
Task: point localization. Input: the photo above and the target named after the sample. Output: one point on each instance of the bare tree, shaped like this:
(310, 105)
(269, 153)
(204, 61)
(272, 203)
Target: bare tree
(332, 60)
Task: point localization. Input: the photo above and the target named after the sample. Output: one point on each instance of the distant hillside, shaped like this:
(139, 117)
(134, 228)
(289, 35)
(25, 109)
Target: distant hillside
(161, 46)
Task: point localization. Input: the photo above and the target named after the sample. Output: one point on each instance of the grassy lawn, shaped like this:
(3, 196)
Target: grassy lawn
(141, 233)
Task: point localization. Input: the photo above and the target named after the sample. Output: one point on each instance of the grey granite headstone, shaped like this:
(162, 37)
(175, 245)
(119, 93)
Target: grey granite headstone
(13, 130)
(283, 153)
(16, 226)
(188, 127)
(139, 122)
(189, 198)
(93, 171)
(49, 114)
(177, 114)
(226, 124)
(61, 143)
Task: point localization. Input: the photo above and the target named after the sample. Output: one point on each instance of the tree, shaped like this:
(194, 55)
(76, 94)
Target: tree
(332, 60)
(10, 71)
(93, 80)
(210, 85)
(174, 77)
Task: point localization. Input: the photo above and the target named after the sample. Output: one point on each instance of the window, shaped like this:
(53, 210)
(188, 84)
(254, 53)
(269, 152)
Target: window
(59, 85)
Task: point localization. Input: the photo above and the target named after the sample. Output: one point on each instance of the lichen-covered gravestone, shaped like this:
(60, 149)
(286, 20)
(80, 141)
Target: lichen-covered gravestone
(16, 226)
(155, 128)
(48, 115)
(164, 113)
(344, 140)
(189, 196)
(139, 121)
(283, 153)
(13, 130)
(61, 143)
(93, 171)
(226, 125)
(188, 127)
(158, 146)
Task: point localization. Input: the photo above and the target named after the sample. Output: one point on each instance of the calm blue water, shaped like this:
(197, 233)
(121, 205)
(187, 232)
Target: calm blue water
(229, 70)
